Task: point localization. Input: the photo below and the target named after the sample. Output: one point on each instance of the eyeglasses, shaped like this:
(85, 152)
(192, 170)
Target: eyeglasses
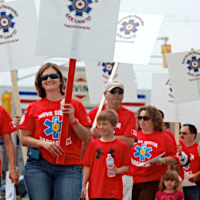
(117, 91)
(145, 118)
(184, 133)
(52, 76)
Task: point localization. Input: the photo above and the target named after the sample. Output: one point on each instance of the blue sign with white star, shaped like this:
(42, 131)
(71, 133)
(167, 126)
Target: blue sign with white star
(80, 6)
(54, 127)
(6, 21)
(143, 152)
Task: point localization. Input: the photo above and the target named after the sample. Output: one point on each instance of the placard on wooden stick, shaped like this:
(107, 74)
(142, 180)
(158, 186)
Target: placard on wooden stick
(18, 35)
(17, 42)
(81, 29)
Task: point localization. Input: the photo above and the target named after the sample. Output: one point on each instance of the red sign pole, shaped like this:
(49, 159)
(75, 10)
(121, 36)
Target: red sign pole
(68, 97)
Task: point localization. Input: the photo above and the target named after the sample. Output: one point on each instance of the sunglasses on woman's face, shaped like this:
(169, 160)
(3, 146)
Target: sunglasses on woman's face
(52, 76)
(117, 91)
(145, 118)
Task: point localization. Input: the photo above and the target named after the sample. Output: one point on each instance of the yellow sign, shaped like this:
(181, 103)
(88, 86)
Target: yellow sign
(165, 49)
(6, 101)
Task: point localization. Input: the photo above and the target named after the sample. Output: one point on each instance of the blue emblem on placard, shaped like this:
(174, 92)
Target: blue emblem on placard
(80, 6)
(143, 152)
(129, 27)
(108, 67)
(6, 22)
(54, 127)
(194, 64)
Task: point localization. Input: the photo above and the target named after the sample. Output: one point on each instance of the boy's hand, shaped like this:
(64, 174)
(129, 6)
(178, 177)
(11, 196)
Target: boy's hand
(95, 132)
(114, 169)
(83, 193)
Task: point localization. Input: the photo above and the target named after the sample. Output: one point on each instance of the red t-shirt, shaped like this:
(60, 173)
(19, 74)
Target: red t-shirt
(100, 185)
(177, 195)
(149, 146)
(126, 121)
(44, 119)
(194, 165)
(6, 123)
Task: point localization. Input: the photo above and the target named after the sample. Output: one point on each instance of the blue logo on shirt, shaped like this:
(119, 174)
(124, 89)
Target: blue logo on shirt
(143, 152)
(54, 127)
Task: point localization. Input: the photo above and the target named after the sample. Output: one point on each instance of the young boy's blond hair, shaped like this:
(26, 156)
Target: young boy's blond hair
(109, 115)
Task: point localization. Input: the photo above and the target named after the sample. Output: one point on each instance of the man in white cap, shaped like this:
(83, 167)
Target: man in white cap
(126, 126)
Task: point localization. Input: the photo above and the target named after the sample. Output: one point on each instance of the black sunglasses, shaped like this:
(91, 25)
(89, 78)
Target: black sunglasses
(117, 91)
(184, 133)
(145, 118)
(52, 76)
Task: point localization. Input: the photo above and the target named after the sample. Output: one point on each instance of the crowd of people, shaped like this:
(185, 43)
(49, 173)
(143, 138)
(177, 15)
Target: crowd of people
(143, 157)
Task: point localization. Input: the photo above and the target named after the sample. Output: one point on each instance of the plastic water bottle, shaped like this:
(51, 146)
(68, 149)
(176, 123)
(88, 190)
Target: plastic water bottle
(110, 163)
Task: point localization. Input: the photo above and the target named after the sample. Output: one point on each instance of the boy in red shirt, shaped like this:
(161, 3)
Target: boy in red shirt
(94, 162)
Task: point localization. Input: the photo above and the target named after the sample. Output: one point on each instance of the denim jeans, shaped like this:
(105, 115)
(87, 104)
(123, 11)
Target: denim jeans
(192, 192)
(46, 181)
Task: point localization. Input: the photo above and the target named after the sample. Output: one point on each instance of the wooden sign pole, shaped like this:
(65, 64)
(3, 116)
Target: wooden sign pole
(114, 71)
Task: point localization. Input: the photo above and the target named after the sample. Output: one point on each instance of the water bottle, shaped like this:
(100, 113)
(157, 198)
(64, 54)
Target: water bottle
(109, 163)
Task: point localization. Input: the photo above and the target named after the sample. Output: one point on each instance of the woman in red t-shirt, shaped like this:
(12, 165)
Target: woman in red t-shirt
(40, 128)
(152, 143)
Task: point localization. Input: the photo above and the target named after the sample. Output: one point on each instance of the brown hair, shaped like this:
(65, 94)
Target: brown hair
(155, 115)
(169, 175)
(109, 115)
(38, 82)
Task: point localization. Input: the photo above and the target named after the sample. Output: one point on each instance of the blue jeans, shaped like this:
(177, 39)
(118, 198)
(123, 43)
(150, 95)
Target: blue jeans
(192, 192)
(46, 181)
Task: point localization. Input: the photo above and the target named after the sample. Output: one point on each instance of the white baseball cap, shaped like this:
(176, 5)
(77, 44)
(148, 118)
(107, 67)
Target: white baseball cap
(113, 84)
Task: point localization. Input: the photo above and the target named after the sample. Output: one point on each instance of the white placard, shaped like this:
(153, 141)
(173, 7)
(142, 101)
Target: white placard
(10, 188)
(79, 29)
(184, 71)
(136, 35)
(98, 74)
(162, 97)
(152, 160)
(18, 27)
